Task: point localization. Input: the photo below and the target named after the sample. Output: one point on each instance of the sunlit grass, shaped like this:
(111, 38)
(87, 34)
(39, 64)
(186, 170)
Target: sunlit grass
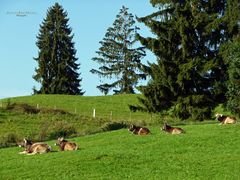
(115, 107)
(206, 151)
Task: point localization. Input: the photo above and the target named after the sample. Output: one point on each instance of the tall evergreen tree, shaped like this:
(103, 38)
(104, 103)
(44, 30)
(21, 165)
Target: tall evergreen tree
(189, 74)
(233, 59)
(117, 56)
(57, 66)
(231, 54)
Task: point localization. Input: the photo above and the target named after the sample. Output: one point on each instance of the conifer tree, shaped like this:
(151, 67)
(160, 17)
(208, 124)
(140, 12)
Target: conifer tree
(233, 59)
(57, 66)
(231, 54)
(189, 75)
(117, 56)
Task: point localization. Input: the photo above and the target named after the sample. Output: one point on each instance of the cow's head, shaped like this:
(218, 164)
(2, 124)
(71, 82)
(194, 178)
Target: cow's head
(25, 143)
(218, 115)
(164, 127)
(59, 141)
(132, 127)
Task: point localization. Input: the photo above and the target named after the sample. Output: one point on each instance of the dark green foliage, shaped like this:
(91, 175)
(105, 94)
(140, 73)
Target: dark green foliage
(189, 75)
(231, 53)
(110, 126)
(233, 59)
(57, 67)
(117, 57)
(232, 18)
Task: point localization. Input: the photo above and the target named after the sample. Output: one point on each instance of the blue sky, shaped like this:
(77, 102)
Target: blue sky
(89, 20)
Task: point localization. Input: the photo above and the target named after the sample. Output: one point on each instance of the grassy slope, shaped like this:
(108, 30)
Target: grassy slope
(116, 105)
(206, 151)
(32, 125)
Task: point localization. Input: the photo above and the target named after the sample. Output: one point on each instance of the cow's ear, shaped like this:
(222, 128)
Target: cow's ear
(61, 139)
(24, 140)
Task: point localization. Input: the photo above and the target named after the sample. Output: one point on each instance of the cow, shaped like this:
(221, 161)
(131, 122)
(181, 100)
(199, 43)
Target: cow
(32, 148)
(65, 145)
(225, 119)
(139, 130)
(172, 130)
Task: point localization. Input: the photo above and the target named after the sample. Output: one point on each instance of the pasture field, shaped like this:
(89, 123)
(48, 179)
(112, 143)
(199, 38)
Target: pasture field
(22, 121)
(206, 151)
(76, 119)
(114, 107)
(74, 116)
(15, 124)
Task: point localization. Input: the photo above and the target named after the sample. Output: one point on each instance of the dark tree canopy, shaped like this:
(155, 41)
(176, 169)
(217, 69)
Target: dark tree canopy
(231, 54)
(189, 75)
(57, 66)
(233, 59)
(117, 56)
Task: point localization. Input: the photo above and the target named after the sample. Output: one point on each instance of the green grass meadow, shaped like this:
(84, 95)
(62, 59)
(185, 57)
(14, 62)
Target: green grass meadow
(17, 123)
(206, 151)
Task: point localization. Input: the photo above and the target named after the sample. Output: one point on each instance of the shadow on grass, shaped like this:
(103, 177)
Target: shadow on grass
(53, 151)
(2, 115)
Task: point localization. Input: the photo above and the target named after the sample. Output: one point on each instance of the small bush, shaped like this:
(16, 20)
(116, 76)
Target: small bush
(62, 129)
(43, 133)
(110, 126)
(53, 130)
(22, 108)
(9, 139)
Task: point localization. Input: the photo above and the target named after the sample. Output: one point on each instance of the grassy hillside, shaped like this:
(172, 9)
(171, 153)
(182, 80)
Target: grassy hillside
(107, 107)
(38, 117)
(206, 151)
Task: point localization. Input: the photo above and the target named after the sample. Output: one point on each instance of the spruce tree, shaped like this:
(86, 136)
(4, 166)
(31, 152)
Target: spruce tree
(57, 64)
(117, 56)
(189, 74)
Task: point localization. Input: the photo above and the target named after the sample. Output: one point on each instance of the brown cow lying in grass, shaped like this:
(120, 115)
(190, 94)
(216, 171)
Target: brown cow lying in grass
(34, 148)
(138, 130)
(66, 145)
(225, 119)
(172, 130)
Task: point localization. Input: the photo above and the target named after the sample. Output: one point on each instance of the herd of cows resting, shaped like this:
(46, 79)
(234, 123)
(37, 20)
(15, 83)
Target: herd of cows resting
(64, 145)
